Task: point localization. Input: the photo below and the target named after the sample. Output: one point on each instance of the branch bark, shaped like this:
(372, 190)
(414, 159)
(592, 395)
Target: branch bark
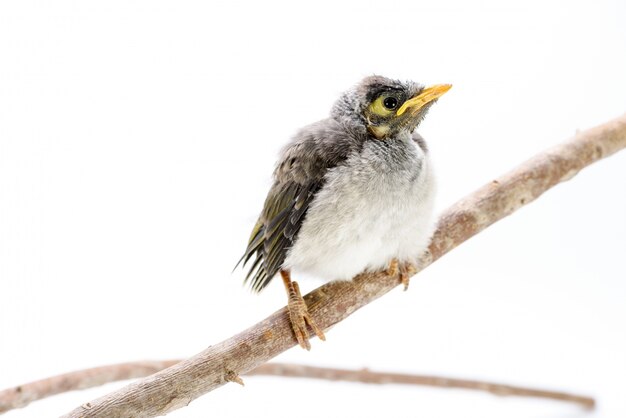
(367, 376)
(23, 395)
(178, 385)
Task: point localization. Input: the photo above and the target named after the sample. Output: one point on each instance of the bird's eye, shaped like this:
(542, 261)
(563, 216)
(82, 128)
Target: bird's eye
(390, 103)
(384, 106)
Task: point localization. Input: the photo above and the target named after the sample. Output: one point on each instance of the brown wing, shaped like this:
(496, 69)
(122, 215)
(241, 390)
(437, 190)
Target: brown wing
(282, 216)
(298, 177)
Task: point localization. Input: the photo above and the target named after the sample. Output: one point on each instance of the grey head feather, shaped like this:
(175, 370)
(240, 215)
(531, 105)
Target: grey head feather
(349, 109)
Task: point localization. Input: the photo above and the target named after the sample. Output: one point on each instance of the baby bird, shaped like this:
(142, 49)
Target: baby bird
(351, 193)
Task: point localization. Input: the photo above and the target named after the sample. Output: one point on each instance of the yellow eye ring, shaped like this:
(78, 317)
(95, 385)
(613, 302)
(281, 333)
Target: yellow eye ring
(383, 105)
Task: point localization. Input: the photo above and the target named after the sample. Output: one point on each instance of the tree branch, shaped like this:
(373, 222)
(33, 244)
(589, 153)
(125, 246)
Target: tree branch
(23, 395)
(178, 385)
(367, 376)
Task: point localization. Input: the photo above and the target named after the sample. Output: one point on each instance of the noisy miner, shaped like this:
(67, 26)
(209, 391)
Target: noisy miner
(352, 193)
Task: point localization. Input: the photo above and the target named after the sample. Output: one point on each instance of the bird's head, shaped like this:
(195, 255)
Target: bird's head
(385, 107)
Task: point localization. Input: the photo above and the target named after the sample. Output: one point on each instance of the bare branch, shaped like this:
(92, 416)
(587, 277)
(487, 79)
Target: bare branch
(178, 385)
(367, 376)
(23, 395)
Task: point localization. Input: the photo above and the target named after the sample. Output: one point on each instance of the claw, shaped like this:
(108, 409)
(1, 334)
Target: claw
(406, 271)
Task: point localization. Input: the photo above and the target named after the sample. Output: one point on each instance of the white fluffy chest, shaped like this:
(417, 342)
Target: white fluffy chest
(376, 207)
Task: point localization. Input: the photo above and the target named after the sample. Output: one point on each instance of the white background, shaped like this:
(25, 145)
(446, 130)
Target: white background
(137, 139)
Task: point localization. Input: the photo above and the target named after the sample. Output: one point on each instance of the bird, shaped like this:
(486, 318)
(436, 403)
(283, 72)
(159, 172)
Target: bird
(351, 193)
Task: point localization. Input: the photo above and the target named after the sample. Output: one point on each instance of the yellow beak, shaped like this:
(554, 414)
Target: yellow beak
(426, 96)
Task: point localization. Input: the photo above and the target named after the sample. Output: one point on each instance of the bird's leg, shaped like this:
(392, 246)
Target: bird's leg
(393, 268)
(298, 313)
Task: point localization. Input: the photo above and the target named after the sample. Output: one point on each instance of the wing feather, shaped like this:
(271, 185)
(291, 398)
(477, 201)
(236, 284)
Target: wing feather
(276, 234)
(299, 175)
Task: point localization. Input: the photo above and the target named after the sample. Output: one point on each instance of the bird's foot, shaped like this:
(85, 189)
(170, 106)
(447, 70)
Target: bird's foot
(300, 317)
(406, 271)
(394, 268)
